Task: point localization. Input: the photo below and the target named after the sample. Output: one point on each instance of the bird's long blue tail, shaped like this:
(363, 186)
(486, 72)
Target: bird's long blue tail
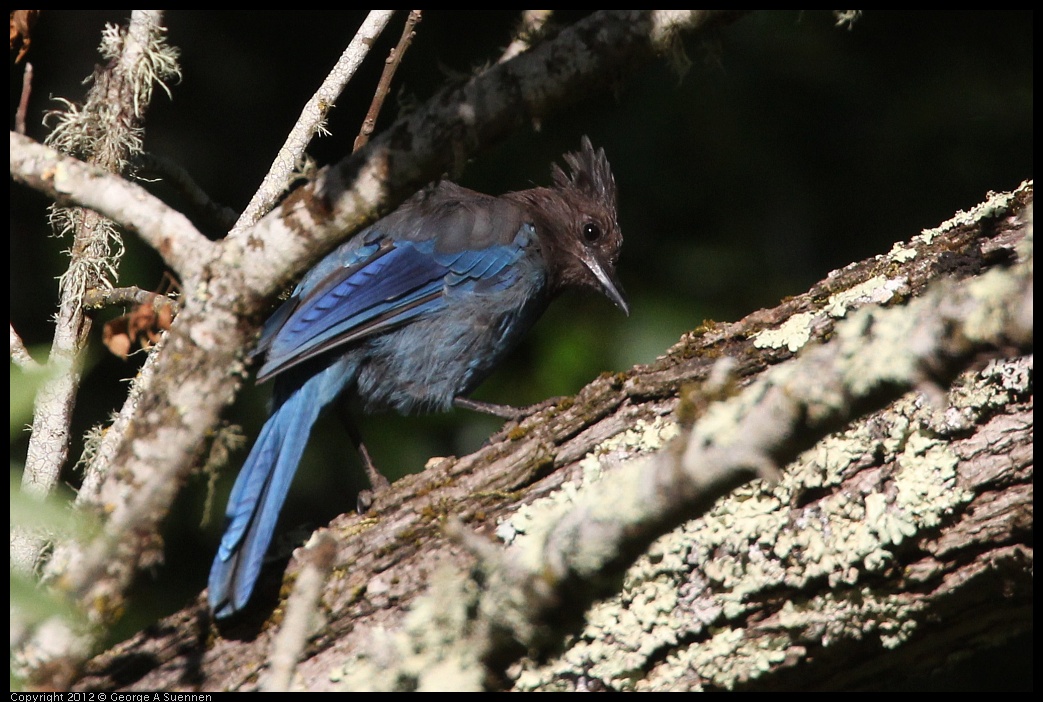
(260, 490)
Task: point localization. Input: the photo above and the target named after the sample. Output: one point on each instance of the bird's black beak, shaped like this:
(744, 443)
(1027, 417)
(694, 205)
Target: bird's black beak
(609, 284)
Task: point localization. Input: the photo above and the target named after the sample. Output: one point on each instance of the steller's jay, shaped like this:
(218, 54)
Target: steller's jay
(411, 315)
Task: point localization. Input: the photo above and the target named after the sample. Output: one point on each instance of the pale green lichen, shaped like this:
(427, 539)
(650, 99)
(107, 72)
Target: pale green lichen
(989, 319)
(644, 437)
(433, 652)
(995, 204)
(926, 481)
(836, 616)
(900, 253)
(998, 384)
(755, 540)
(792, 334)
(887, 362)
(877, 290)
(795, 332)
(728, 656)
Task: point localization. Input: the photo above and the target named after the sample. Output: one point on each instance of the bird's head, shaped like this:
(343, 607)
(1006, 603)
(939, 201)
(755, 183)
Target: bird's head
(577, 226)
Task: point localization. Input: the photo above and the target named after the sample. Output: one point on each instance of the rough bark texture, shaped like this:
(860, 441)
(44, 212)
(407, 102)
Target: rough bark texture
(810, 583)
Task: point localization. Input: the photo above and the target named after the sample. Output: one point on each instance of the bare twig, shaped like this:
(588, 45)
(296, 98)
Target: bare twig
(23, 101)
(99, 461)
(394, 60)
(20, 355)
(218, 216)
(312, 119)
(109, 297)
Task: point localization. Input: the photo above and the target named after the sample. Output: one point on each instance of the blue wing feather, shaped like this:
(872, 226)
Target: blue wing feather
(381, 287)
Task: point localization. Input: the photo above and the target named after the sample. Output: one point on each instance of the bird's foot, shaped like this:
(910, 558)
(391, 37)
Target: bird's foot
(378, 483)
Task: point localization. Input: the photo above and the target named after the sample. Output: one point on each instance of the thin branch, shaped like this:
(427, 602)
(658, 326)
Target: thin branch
(23, 101)
(111, 297)
(99, 460)
(68, 180)
(216, 215)
(312, 120)
(394, 60)
(20, 355)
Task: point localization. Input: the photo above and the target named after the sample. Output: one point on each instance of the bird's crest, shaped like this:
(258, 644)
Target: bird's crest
(591, 173)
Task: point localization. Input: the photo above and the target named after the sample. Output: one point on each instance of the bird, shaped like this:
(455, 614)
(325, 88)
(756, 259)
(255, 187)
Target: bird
(411, 315)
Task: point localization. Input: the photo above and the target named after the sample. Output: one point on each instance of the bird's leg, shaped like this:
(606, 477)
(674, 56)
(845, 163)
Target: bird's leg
(378, 483)
(501, 411)
(376, 479)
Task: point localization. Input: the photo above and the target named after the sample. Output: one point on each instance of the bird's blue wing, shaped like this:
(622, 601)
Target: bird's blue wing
(361, 290)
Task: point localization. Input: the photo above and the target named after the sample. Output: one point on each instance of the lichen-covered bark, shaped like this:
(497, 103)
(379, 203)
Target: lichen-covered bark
(891, 544)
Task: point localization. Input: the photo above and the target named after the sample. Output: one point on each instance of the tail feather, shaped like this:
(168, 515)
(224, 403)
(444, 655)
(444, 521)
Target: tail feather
(260, 490)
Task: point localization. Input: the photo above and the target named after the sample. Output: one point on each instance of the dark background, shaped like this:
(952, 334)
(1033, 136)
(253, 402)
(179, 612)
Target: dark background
(790, 148)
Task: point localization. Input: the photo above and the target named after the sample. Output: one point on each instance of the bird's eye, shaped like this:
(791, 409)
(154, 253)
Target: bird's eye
(591, 232)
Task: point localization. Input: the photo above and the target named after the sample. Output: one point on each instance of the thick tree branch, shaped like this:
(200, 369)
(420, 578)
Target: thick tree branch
(874, 357)
(896, 524)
